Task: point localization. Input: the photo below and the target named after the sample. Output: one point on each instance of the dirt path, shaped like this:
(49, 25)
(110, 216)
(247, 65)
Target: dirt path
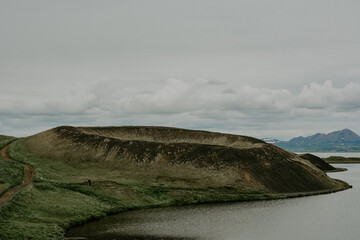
(28, 177)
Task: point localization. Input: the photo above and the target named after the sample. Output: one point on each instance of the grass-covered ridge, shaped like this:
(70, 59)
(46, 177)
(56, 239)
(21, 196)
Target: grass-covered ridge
(5, 140)
(318, 162)
(134, 173)
(178, 157)
(11, 173)
(51, 205)
(338, 159)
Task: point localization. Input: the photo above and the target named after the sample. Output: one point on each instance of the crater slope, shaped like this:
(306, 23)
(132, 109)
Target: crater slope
(175, 158)
(318, 162)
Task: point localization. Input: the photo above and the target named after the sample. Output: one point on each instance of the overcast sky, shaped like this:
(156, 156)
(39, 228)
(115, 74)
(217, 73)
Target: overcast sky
(261, 68)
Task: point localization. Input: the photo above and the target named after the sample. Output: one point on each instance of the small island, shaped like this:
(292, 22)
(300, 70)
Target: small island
(339, 159)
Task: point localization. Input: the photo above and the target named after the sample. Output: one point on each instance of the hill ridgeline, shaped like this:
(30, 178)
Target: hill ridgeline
(180, 158)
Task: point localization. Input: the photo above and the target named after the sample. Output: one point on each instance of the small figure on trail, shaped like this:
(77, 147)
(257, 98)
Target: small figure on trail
(89, 182)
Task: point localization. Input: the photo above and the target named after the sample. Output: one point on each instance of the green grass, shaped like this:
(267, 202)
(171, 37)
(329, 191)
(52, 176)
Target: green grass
(60, 197)
(337, 159)
(11, 174)
(5, 140)
(44, 211)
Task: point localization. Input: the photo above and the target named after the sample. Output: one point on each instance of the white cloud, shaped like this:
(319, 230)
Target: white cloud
(318, 96)
(327, 97)
(195, 104)
(257, 65)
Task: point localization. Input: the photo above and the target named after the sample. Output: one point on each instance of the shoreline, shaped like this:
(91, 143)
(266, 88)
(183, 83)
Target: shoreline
(77, 203)
(342, 186)
(337, 170)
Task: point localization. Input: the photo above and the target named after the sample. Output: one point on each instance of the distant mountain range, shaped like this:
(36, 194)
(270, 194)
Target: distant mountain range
(338, 141)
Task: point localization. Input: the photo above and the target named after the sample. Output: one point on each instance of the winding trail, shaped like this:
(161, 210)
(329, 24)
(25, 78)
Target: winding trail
(28, 178)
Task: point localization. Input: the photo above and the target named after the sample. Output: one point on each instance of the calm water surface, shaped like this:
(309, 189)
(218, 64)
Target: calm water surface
(331, 216)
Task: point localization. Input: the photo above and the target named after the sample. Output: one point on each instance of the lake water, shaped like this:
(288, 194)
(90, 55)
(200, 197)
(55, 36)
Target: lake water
(329, 217)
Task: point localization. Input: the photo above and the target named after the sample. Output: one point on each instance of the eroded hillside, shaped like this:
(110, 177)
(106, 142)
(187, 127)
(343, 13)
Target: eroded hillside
(318, 162)
(180, 158)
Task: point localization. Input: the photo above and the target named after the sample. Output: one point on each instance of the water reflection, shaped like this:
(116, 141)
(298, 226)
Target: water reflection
(333, 216)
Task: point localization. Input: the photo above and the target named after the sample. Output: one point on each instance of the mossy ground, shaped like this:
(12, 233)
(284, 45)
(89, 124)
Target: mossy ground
(338, 159)
(11, 173)
(60, 196)
(5, 140)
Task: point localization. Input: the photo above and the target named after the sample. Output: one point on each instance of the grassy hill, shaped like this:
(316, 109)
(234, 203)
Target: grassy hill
(5, 140)
(135, 167)
(11, 173)
(338, 159)
(318, 162)
(176, 157)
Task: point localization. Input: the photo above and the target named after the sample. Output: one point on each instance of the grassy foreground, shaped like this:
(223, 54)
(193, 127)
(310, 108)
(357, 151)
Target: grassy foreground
(5, 140)
(60, 196)
(336, 159)
(11, 173)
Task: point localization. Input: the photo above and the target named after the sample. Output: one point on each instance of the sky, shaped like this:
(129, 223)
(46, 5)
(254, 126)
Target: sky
(278, 69)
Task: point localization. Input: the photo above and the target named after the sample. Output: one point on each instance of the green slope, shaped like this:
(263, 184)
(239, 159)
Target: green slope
(65, 159)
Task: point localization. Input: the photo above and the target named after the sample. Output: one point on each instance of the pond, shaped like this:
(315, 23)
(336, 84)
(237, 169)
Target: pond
(330, 217)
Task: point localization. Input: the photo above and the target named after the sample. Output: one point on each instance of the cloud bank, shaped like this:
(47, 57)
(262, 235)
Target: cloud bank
(198, 104)
(104, 63)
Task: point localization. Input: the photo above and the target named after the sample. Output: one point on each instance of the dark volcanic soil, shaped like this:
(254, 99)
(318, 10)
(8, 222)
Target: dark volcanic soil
(318, 162)
(243, 163)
